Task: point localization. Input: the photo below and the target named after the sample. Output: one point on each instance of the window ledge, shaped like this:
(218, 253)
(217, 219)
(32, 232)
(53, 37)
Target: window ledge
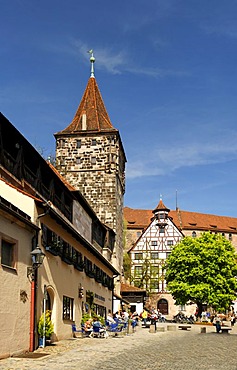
(9, 268)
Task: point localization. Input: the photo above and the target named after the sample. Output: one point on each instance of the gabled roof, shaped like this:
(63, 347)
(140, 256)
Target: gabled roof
(130, 288)
(184, 220)
(137, 218)
(91, 114)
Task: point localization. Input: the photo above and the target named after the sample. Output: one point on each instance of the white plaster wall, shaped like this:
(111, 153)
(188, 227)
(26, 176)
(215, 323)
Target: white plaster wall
(14, 313)
(22, 201)
(62, 279)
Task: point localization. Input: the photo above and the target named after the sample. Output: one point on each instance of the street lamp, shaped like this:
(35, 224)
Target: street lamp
(37, 259)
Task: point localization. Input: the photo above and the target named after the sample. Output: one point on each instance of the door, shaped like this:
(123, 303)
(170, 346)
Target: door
(162, 306)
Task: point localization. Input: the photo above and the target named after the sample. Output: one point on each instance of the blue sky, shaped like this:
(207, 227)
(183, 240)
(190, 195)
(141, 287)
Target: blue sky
(167, 71)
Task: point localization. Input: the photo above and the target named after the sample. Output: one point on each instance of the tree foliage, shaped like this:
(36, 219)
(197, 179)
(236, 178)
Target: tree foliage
(146, 276)
(127, 266)
(203, 270)
(45, 325)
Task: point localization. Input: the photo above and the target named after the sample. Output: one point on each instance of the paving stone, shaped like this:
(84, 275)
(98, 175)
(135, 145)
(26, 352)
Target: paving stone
(169, 350)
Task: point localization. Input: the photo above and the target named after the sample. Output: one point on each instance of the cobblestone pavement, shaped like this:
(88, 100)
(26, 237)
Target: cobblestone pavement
(168, 350)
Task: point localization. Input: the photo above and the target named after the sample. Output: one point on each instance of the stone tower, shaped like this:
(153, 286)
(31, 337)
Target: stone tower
(90, 155)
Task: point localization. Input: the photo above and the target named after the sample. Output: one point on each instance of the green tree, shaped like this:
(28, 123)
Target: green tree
(147, 276)
(203, 270)
(127, 266)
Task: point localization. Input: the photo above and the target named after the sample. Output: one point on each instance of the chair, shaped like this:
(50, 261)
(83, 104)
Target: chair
(75, 331)
(98, 332)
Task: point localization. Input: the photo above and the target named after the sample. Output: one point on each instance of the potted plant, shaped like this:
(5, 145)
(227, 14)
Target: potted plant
(45, 327)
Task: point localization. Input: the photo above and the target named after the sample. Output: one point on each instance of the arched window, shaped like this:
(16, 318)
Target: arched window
(194, 234)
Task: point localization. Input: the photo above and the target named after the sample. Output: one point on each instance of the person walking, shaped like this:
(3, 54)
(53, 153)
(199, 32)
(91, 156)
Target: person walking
(144, 316)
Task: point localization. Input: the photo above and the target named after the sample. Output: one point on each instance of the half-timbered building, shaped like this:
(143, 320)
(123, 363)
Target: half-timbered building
(150, 236)
(148, 256)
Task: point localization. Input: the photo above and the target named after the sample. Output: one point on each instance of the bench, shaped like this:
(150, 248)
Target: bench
(225, 329)
(184, 327)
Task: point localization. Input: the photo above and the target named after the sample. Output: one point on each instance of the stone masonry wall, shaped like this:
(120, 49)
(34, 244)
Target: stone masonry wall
(94, 165)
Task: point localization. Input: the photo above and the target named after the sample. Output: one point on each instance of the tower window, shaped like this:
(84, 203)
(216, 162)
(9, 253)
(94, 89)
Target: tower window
(78, 143)
(93, 142)
(93, 160)
(61, 143)
(78, 160)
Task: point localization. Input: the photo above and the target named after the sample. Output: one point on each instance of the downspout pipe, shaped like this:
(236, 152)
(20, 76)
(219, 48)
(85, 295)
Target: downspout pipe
(32, 317)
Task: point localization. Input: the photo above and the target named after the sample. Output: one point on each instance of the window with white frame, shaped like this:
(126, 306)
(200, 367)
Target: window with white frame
(154, 243)
(170, 242)
(138, 270)
(154, 255)
(162, 231)
(68, 304)
(154, 284)
(138, 256)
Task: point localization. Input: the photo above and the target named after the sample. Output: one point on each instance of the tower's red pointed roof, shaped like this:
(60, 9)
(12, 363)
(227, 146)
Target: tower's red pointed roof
(91, 114)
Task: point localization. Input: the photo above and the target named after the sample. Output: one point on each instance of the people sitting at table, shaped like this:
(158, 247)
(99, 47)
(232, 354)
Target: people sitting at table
(110, 318)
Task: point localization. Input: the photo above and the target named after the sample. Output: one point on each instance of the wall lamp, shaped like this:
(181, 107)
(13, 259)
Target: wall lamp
(80, 291)
(37, 259)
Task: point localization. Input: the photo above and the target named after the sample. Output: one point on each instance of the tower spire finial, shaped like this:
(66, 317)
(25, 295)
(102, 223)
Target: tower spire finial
(92, 60)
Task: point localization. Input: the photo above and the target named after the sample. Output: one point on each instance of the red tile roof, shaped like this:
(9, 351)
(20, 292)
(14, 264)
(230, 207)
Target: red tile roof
(91, 108)
(184, 220)
(161, 207)
(130, 288)
(64, 181)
